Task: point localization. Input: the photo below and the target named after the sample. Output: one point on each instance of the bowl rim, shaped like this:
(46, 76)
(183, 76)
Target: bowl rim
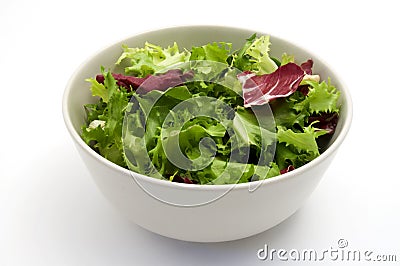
(281, 178)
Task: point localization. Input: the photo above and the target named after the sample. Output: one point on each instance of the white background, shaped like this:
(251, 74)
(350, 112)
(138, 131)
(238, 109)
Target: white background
(51, 212)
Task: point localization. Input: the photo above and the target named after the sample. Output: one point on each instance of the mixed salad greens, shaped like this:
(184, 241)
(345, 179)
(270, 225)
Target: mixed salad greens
(136, 123)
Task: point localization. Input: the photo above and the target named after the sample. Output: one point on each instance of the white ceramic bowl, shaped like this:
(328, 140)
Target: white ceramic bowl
(238, 213)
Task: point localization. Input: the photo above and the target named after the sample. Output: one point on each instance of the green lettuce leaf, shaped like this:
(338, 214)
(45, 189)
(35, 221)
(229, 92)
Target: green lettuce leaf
(150, 59)
(289, 155)
(222, 172)
(302, 141)
(287, 59)
(98, 89)
(254, 56)
(110, 109)
(218, 52)
(321, 98)
(106, 90)
(286, 115)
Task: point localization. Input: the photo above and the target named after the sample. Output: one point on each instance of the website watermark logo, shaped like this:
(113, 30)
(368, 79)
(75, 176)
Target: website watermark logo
(340, 252)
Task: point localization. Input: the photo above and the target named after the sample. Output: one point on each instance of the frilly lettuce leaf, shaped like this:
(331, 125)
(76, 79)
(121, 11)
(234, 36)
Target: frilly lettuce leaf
(98, 89)
(287, 59)
(222, 172)
(106, 89)
(321, 98)
(107, 139)
(254, 56)
(151, 58)
(218, 52)
(302, 141)
(284, 113)
(297, 148)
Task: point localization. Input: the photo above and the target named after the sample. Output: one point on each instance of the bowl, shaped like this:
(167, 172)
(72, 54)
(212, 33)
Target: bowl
(236, 211)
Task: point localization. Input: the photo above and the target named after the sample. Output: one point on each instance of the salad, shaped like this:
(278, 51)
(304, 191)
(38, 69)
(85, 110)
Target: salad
(211, 114)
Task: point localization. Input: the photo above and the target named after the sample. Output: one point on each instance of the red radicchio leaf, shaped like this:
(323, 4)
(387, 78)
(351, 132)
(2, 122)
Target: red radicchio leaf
(128, 82)
(326, 121)
(307, 66)
(186, 180)
(259, 90)
(303, 89)
(287, 169)
(161, 82)
(164, 81)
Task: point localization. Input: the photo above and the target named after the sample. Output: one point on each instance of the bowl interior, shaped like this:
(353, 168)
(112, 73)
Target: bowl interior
(77, 92)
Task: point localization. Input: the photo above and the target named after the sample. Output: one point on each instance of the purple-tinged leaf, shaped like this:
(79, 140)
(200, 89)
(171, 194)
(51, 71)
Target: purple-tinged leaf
(259, 90)
(326, 121)
(307, 66)
(160, 82)
(164, 81)
(287, 169)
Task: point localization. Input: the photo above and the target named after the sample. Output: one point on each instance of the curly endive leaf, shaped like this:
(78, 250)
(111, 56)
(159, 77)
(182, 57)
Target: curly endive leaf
(321, 98)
